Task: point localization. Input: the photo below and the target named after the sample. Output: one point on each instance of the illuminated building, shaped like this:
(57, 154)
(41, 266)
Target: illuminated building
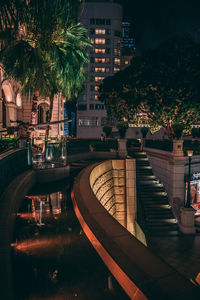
(103, 21)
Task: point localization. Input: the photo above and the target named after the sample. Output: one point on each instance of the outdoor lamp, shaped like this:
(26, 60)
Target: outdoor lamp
(189, 154)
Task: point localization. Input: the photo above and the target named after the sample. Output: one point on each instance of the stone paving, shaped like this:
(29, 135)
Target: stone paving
(182, 252)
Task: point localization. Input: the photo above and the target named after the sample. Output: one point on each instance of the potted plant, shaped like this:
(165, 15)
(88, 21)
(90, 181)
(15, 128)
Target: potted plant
(122, 127)
(178, 129)
(144, 131)
(107, 129)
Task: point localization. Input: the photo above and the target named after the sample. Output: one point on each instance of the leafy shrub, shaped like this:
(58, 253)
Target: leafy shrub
(195, 132)
(104, 146)
(122, 127)
(166, 145)
(144, 131)
(8, 143)
(107, 129)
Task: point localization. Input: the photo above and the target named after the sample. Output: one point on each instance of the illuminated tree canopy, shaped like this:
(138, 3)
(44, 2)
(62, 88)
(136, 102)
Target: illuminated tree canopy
(162, 85)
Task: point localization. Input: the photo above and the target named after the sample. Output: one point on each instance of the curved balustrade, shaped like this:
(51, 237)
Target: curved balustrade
(140, 273)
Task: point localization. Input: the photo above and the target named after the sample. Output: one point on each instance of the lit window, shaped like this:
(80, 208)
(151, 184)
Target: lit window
(88, 121)
(99, 69)
(19, 100)
(99, 60)
(95, 97)
(100, 50)
(116, 70)
(117, 52)
(107, 60)
(100, 31)
(99, 78)
(92, 40)
(99, 106)
(96, 88)
(126, 62)
(117, 61)
(100, 41)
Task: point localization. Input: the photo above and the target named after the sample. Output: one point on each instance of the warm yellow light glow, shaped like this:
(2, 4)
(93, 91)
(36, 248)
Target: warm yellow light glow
(117, 61)
(100, 50)
(189, 152)
(99, 78)
(100, 31)
(99, 69)
(100, 41)
(99, 60)
(19, 100)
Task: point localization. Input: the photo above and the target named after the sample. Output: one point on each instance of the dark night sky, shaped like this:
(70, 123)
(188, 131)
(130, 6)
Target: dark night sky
(153, 21)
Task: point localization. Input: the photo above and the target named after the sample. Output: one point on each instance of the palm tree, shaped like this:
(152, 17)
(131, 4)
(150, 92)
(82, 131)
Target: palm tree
(45, 48)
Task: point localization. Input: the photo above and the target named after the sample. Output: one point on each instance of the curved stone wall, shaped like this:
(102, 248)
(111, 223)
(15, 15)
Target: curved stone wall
(107, 181)
(140, 273)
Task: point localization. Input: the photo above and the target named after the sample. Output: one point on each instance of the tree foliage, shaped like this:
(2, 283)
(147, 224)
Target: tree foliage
(43, 47)
(162, 85)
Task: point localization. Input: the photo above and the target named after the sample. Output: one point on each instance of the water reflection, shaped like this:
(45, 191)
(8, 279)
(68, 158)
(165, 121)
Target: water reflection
(52, 258)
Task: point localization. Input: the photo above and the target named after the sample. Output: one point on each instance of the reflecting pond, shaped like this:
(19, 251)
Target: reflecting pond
(52, 258)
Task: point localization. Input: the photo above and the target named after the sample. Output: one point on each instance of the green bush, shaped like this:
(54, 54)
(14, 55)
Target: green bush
(8, 143)
(107, 129)
(104, 146)
(166, 145)
(191, 145)
(178, 130)
(144, 131)
(195, 132)
(122, 127)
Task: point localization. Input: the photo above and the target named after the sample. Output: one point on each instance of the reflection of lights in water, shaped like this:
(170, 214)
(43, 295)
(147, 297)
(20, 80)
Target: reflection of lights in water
(42, 245)
(44, 205)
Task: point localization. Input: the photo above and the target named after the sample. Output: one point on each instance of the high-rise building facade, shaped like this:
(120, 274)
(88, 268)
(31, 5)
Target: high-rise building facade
(103, 20)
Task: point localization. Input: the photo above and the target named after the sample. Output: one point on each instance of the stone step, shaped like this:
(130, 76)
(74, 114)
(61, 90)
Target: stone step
(151, 189)
(172, 232)
(172, 223)
(155, 216)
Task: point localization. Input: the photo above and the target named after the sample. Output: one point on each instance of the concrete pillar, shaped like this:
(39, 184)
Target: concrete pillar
(122, 149)
(131, 203)
(176, 179)
(12, 112)
(187, 221)
(178, 148)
